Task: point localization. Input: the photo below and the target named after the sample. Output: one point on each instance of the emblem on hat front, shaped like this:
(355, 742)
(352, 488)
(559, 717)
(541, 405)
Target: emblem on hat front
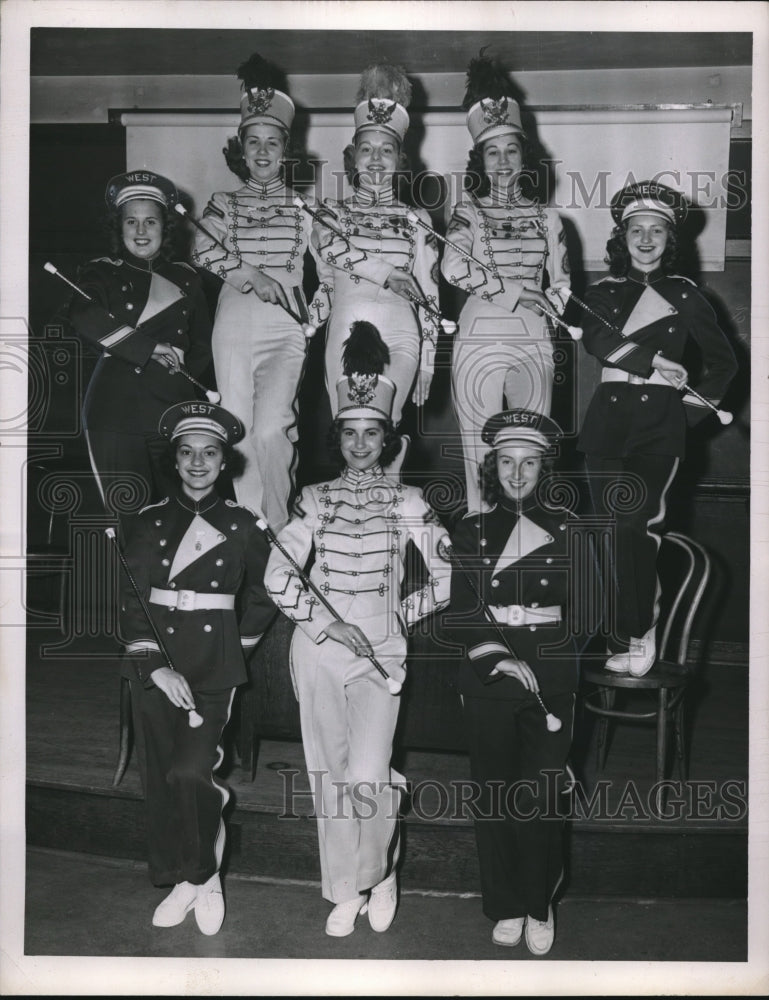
(379, 111)
(260, 100)
(361, 388)
(494, 112)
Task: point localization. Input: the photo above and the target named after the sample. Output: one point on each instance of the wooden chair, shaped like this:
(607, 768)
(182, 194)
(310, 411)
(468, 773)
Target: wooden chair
(669, 676)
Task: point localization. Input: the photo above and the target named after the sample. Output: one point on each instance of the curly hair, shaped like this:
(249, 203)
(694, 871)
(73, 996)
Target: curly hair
(476, 180)
(390, 447)
(618, 255)
(348, 157)
(170, 247)
(491, 488)
(233, 154)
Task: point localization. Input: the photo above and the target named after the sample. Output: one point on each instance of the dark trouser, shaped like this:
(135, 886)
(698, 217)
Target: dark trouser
(636, 506)
(129, 469)
(185, 829)
(517, 829)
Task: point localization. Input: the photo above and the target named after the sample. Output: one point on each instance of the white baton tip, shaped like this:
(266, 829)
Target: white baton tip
(553, 723)
(449, 326)
(109, 532)
(299, 202)
(309, 330)
(261, 524)
(178, 207)
(48, 266)
(575, 332)
(394, 687)
(725, 417)
(213, 397)
(412, 216)
(195, 719)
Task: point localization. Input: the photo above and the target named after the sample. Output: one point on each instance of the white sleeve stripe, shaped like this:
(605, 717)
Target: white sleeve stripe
(116, 336)
(620, 352)
(486, 648)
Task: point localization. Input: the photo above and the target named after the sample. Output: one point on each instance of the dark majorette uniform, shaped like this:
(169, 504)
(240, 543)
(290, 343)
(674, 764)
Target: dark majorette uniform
(191, 561)
(636, 421)
(150, 302)
(531, 566)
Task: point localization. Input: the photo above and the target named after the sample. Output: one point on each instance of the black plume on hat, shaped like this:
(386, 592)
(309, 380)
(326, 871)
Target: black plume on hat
(365, 353)
(486, 78)
(257, 73)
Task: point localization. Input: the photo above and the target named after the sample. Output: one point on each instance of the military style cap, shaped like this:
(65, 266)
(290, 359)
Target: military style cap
(379, 113)
(384, 93)
(521, 427)
(140, 184)
(266, 105)
(650, 198)
(363, 394)
(196, 417)
(489, 118)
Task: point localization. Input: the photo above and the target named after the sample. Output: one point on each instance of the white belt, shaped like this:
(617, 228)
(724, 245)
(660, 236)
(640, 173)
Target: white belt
(618, 375)
(517, 614)
(191, 600)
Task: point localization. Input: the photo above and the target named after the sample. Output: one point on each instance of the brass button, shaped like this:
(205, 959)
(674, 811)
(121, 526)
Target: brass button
(548, 560)
(532, 628)
(220, 562)
(495, 583)
(165, 562)
(535, 604)
(170, 630)
(163, 543)
(644, 398)
(206, 628)
(214, 584)
(129, 305)
(613, 399)
(486, 562)
(158, 523)
(543, 582)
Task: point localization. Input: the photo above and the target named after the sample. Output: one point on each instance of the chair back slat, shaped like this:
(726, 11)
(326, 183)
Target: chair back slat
(695, 554)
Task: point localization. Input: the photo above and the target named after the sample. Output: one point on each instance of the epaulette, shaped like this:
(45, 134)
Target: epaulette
(115, 261)
(682, 277)
(241, 506)
(185, 265)
(152, 506)
(612, 278)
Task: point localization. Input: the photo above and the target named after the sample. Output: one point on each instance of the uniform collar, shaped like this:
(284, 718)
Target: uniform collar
(357, 478)
(510, 198)
(642, 278)
(370, 195)
(197, 506)
(139, 264)
(270, 187)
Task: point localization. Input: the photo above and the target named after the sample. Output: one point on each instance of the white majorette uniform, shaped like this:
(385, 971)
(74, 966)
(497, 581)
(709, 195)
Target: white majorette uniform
(369, 239)
(258, 349)
(358, 525)
(502, 353)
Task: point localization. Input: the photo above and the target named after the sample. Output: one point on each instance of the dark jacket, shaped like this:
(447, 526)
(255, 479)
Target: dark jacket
(624, 418)
(207, 646)
(529, 556)
(137, 305)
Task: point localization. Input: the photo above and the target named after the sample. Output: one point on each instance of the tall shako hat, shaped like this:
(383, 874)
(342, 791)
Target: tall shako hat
(649, 198)
(363, 391)
(491, 108)
(521, 427)
(144, 184)
(195, 417)
(265, 98)
(383, 96)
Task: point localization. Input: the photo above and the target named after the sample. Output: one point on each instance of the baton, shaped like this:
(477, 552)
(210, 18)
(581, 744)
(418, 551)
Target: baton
(211, 395)
(195, 720)
(309, 329)
(552, 722)
(575, 332)
(393, 686)
(449, 326)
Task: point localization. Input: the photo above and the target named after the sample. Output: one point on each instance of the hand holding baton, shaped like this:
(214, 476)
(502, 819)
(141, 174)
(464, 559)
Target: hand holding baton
(552, 722)
(574, 332)
(393, 686)
(194, 719)
(448, 326)
(308, 328)
(211, 395)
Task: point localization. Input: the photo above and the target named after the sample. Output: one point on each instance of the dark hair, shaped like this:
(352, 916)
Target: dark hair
(491, 488)
(233, 154)
(618, 255)
(390, 447)
(348, 158)
(476, 179)
(234, 460)
(170, 245)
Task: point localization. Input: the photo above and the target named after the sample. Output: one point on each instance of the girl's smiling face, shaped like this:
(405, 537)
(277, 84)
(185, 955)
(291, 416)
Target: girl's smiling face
(361, 441)
(518, 469)
(503, 159)
(199, 460)
(376, 156)
(646, 236)
(263, 147)
(141, 226)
